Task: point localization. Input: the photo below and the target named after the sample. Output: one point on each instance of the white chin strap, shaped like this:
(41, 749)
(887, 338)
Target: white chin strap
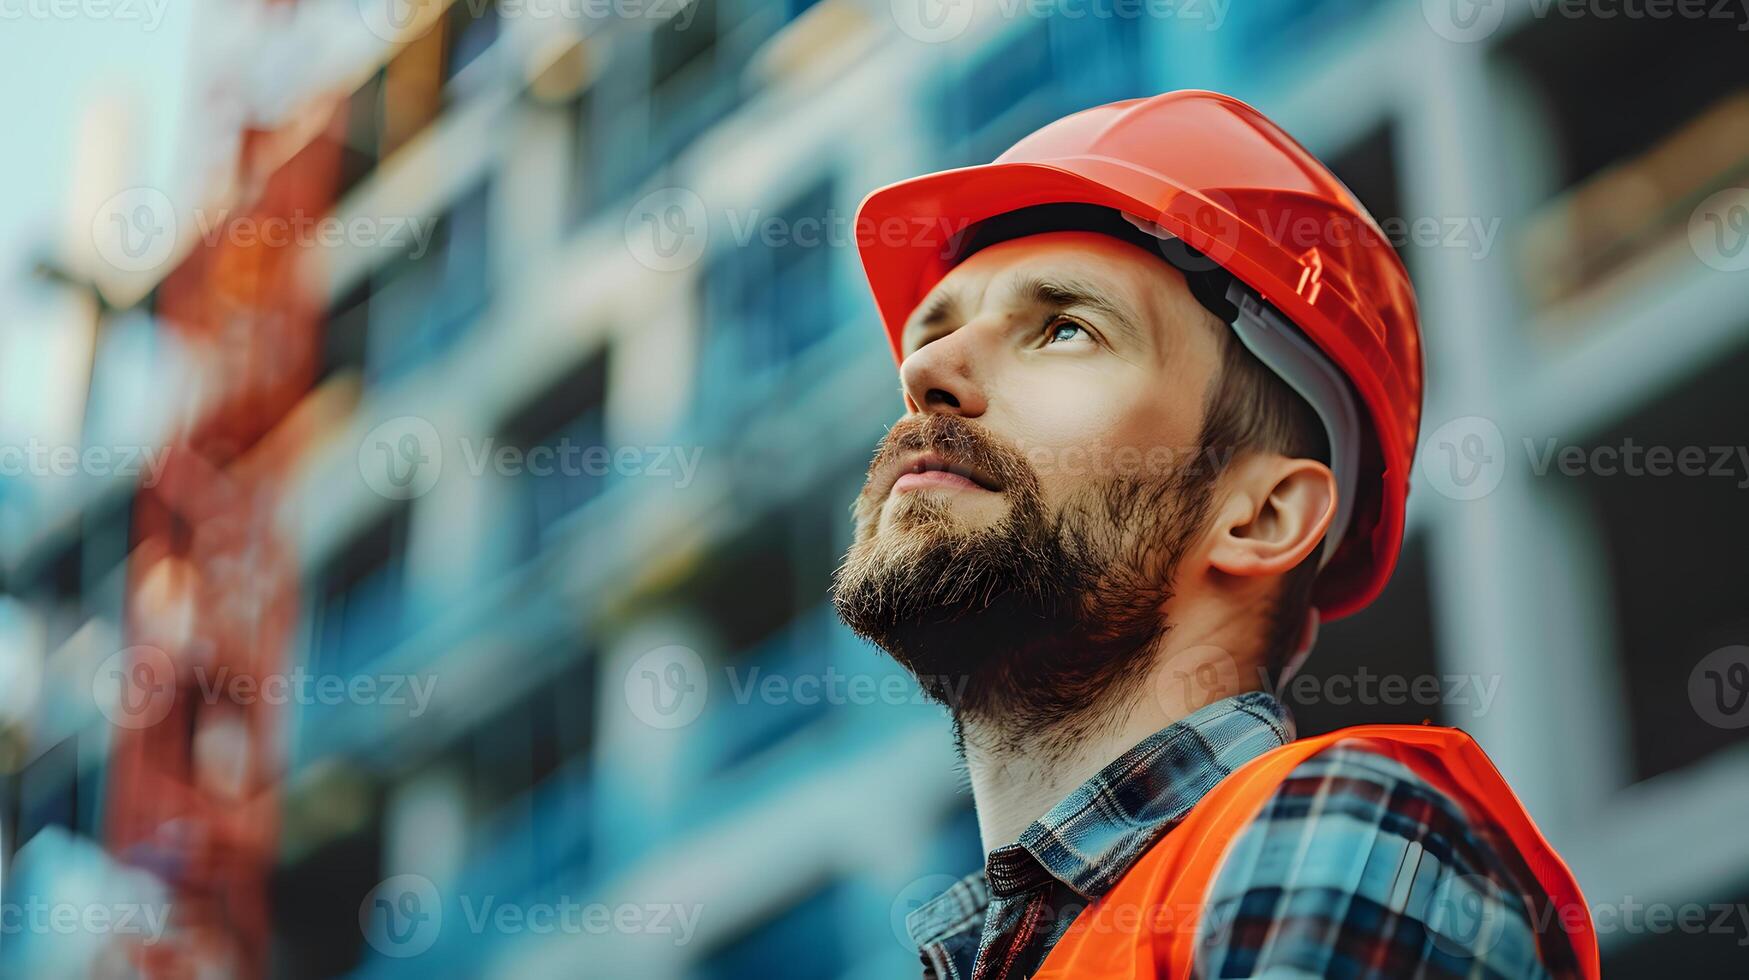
(1285, 350)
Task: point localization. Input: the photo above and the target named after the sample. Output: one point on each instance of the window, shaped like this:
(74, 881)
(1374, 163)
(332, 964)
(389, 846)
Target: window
(534, 737)
(1287, 26)
(1657, 530)
(589, 176)
(1716, 951)
(694, 70)
(408, 94)
(412, 90)
(770, 299)
(747, 722)
(562, 434)
(314, 935)
(1644, 119)
(1614, 84)
(611, 147)
(423, 301)
(68, 578)
(1011, 70)
(462, 240)
(689, 36)
(803, 941)
(1369, 169)
(48, 793)
(346, 336)
(364, 125)
(471, 28)
(359, 610)
(766, 595)
(1038, 73)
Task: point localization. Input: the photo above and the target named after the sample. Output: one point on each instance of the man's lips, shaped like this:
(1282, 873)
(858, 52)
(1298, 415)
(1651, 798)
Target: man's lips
(932, 478)
(918, 471)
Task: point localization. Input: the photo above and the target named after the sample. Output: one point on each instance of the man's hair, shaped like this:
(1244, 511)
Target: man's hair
(1249, 407)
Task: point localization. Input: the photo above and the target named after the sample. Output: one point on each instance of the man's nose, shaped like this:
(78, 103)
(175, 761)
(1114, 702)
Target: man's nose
(946, 375)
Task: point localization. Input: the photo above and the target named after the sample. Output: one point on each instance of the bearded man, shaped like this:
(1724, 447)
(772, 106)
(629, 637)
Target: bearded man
(1148, 443)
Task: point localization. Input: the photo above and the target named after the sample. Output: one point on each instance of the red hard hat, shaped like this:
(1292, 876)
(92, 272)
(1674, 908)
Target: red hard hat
(1216, 173)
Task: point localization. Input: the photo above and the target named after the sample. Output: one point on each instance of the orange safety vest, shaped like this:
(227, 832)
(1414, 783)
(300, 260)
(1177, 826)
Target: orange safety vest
(1146, 926)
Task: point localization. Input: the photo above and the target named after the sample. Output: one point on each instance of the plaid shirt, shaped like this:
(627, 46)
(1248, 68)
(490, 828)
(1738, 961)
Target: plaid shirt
(1356, 867)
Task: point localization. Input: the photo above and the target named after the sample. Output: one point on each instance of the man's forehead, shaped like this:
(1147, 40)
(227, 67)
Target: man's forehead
(1053, 269)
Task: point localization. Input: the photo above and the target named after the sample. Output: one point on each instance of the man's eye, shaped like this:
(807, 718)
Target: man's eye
(1060, 329)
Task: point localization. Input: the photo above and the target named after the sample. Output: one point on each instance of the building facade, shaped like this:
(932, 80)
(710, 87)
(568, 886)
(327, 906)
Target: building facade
(591, 378)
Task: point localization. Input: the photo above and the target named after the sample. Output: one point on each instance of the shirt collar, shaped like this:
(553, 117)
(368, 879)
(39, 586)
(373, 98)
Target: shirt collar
(1090, 839)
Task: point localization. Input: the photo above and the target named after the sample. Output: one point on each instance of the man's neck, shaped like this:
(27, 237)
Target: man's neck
(1017, 777)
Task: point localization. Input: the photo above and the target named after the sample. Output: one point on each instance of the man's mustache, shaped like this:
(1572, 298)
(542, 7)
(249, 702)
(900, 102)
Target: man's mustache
(959, 439)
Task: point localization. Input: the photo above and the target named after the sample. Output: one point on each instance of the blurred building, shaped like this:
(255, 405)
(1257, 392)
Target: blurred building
(632, 230)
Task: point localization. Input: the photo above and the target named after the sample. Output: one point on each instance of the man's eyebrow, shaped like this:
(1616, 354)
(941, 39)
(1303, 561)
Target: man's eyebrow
(937, 310)
(1071, 293)
(934, 312)
(1057, 293)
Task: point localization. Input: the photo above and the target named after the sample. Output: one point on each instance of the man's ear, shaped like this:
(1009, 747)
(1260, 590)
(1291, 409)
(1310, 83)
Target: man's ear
(1274, 514)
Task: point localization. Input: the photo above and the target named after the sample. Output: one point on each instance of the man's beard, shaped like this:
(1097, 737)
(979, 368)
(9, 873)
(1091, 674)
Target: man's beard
(1039, 625)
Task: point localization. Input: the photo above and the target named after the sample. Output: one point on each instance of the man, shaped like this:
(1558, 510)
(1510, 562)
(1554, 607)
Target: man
(1161, 393)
